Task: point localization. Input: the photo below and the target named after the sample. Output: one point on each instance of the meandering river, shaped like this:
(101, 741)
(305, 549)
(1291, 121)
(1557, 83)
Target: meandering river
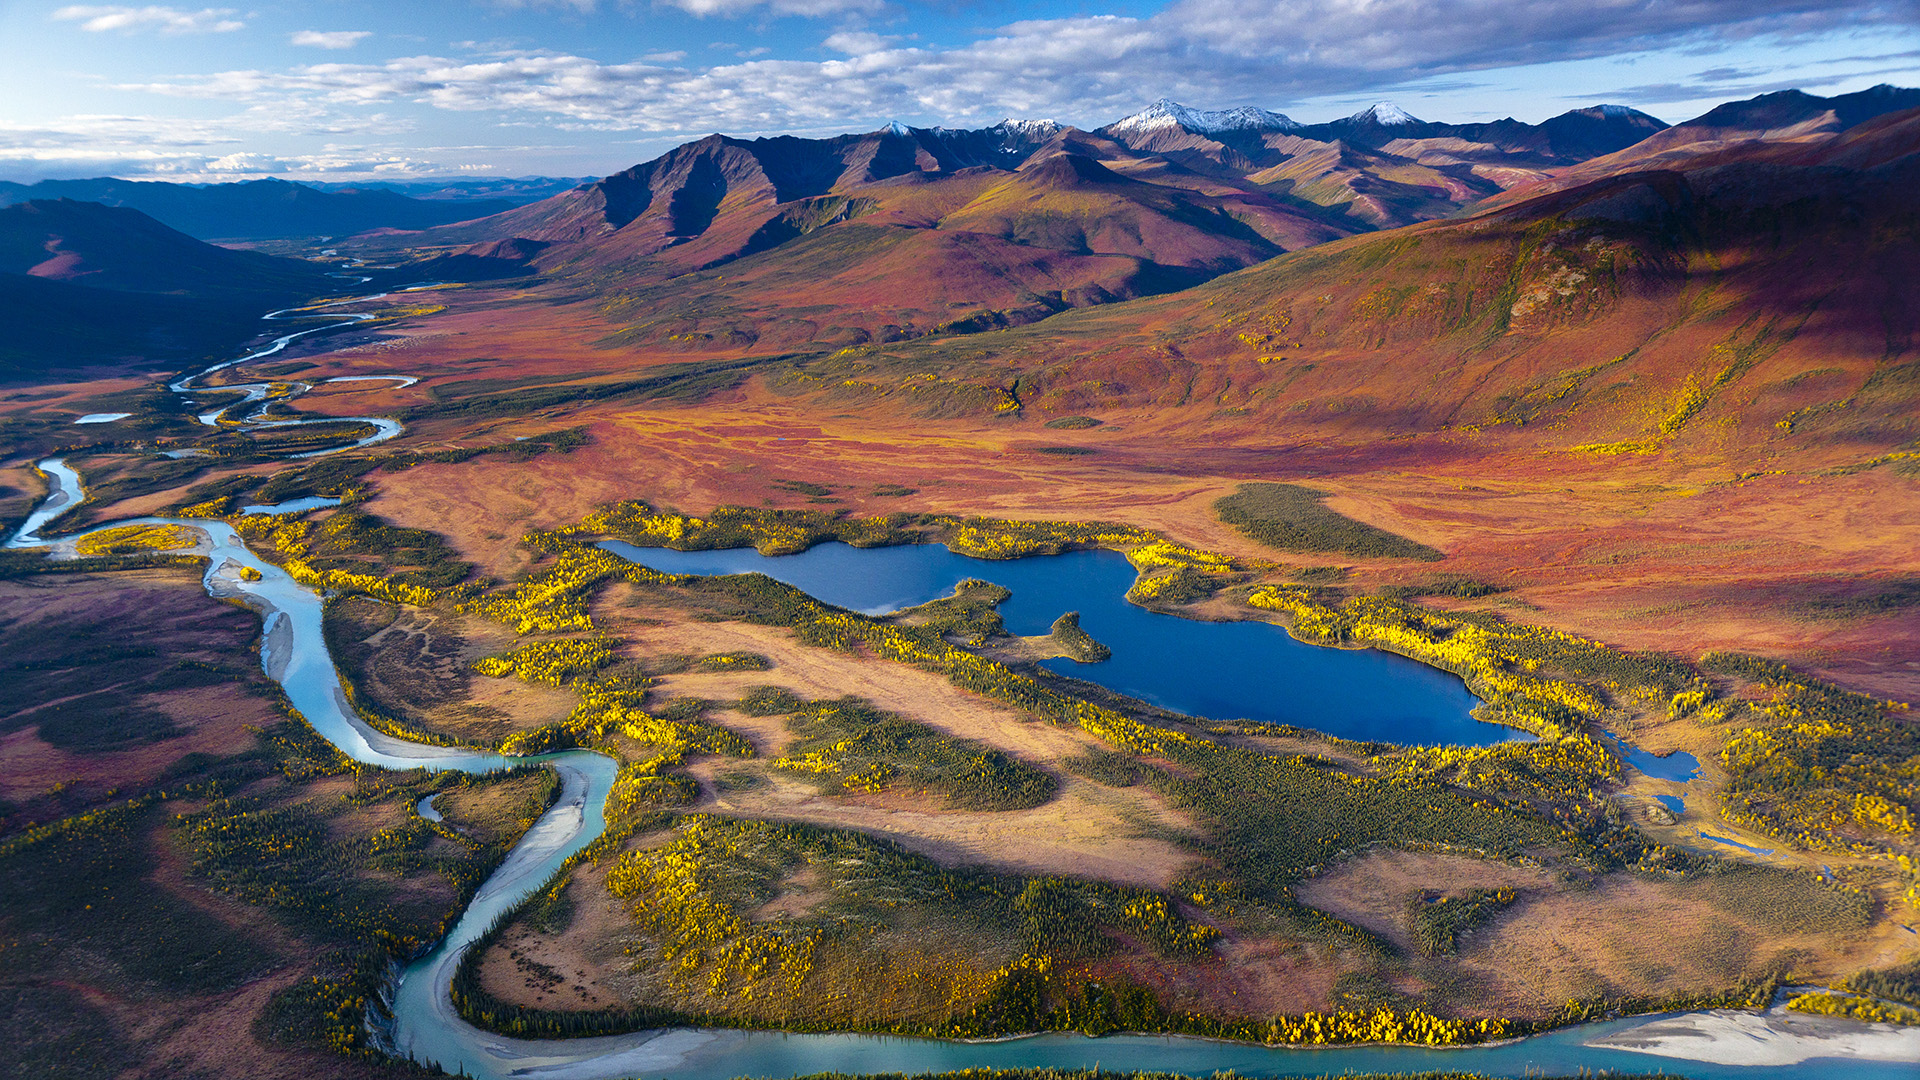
(425, 1026)
(281, 392)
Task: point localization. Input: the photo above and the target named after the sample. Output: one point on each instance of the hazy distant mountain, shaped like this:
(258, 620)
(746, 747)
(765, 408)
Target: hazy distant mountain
(518, 190)
(259, 209)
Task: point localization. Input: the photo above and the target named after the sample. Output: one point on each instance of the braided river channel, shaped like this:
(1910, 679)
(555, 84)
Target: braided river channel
(419, 1020)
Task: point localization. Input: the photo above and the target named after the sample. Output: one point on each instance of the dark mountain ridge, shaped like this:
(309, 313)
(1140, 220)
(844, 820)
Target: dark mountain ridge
(115, 247)
(1786, 125)
(84, 285)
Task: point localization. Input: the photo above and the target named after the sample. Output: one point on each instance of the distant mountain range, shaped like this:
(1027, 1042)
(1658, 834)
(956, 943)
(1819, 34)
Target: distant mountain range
(907, 231)
(795, 244)
(1380, 167)
(1261, 135)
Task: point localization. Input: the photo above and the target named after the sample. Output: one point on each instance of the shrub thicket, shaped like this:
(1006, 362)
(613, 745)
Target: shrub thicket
(1292, 518)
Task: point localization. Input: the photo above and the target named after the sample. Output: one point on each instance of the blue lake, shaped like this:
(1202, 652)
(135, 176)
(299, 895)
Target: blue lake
(1222, 671)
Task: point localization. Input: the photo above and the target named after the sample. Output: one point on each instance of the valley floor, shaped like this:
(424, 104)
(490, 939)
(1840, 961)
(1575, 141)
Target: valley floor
(1811, 562)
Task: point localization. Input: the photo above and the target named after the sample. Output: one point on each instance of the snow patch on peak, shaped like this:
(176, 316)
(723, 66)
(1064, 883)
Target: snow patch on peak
(1167, 113)
(895, 127)
(1035, 130)
(1384, 113)
(1617, 110)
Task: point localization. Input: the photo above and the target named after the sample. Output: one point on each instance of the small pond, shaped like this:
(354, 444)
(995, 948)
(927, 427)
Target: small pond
(1223, 671)
(1736, 844)
(1678, 765)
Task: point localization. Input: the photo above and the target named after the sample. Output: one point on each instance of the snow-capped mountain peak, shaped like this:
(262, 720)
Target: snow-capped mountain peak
(1384, 113)
(1018, 135)
(895, 127)
(1167, 113)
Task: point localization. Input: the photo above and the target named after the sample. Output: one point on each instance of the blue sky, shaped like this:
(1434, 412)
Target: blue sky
(351, 89)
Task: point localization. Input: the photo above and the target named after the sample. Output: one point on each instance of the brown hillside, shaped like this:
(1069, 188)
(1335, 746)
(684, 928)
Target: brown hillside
(1750, 307)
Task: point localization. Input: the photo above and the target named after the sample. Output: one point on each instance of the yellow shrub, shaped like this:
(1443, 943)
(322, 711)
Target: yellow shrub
(130, 539)
(1384, 1025)
(1821, 1003)
(555, 663)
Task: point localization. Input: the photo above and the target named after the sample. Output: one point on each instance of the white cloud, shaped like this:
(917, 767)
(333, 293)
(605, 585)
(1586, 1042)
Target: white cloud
(330, 39)
(1420, 34)
(1087, 70)
(1091, 69)
(857, 42)
(194, 151)
(166, 20)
